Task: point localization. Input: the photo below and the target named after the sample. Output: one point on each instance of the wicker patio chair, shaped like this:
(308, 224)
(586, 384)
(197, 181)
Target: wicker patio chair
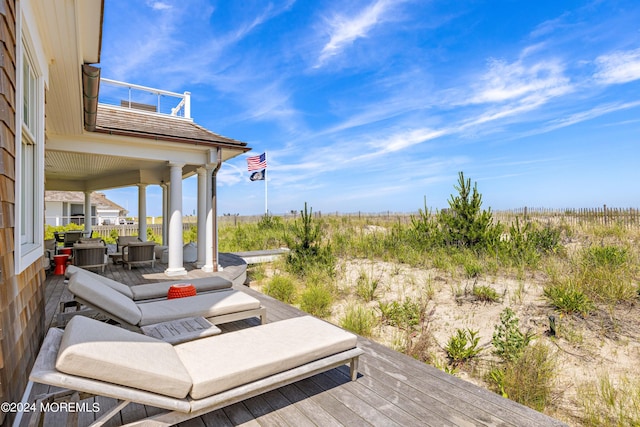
(90, 255)
(125, 240)
(71, 237)
(138, 253)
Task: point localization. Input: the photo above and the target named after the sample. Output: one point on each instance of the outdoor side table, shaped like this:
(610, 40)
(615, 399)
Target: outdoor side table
(181, 330)
(61, 264)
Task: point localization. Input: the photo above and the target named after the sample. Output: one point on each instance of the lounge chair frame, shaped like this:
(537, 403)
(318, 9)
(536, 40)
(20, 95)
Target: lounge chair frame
(179, 410)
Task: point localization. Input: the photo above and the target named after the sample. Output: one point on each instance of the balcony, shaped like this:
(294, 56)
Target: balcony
(136, 97)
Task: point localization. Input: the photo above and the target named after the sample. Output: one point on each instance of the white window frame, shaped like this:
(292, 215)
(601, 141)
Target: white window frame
(29, 173)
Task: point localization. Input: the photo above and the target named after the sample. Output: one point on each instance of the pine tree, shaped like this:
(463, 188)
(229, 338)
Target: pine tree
(465, 224)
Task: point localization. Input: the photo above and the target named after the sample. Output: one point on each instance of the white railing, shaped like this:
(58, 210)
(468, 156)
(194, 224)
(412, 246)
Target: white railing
(127, 95)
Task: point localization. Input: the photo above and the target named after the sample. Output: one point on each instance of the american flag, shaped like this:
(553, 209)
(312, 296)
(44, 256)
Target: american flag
(257, 162)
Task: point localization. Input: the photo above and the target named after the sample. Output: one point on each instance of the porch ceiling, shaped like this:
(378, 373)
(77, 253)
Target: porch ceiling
(99, 161)
(75, 171)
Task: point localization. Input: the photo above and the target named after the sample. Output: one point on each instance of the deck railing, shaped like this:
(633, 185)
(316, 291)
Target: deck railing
(127, 95)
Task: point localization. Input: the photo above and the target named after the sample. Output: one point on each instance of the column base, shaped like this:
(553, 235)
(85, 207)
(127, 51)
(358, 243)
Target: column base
(176, 271)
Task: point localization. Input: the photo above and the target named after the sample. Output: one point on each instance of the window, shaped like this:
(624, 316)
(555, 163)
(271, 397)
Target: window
(29, 230)
(28, 164)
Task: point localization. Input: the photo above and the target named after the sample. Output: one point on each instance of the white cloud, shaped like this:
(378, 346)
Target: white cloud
(618, 67)
(507, 82)
(591, 114)
(407, 139)
(345, 30)
(158, 5)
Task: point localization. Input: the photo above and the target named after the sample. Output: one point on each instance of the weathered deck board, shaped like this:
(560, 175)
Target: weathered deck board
(392, 389)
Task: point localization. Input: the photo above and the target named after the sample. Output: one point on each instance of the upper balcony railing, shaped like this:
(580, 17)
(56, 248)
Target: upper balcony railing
(127, 95)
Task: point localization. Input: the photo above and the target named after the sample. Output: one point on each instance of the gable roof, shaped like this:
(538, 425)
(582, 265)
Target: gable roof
(98, 199)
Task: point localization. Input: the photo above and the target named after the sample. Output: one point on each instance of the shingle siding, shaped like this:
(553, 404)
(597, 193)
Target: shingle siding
(21, 295)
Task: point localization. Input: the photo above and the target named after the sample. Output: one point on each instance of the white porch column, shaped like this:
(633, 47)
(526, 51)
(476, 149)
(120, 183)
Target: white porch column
(176, 266)
(202, 213)
(142, 212)
(209, 257)
(87, 213)
(165, 214)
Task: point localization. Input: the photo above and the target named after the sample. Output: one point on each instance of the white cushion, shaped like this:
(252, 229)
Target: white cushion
(229, 360)
(104, 297)
(161, 289)
(120, 287)
(205, 305)
(97, 350)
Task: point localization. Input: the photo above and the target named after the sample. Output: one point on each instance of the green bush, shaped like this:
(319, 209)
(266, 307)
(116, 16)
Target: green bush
(485, 294)
(509, 342)
(602, 274)
(605, 256)
(151, 236)
(425, 228)
(366, 286)
(359, 320)
(530, 379)
(567, 298)
(249, 237)
(472, 270)
(270, 222)
(605, 402)
(404, 316)
(281, 288)
(306, 247)
(316, 300)
(49, 230)
(113, 237)
(463, 345)
(191, 235)
(464, 224)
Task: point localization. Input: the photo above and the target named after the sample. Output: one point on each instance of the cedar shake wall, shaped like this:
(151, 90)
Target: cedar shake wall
(22, 295)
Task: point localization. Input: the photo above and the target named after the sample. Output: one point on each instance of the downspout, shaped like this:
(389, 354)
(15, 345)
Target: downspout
(90, 90)
(214, 207)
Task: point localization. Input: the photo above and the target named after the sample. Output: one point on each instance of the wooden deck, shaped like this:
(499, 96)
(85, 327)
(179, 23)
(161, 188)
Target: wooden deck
(392, 389)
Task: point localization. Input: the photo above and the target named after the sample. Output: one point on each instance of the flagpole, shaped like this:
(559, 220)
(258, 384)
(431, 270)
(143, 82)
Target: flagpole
(266, 210)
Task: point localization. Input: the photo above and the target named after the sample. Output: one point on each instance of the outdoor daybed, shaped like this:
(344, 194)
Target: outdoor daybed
(192, 378)
(217, 307)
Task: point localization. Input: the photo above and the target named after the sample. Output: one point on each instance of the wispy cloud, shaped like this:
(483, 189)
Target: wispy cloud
(159, 5)
(344, 30)
(590, 114)
(403, 140)
(508, 81)
(618, 67)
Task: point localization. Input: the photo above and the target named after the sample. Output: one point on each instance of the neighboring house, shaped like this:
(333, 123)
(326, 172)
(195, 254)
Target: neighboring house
(64, 207)
(71, 143)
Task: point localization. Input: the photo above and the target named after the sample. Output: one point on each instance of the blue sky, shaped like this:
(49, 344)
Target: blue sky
(372, 105)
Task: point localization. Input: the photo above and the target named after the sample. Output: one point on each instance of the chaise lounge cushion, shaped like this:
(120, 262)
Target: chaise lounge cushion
(160, 289)
(116, 304)
(106, 298)
(250, 354)
(90, 276)
(151, 290)
(205, 305)
(104, 352)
